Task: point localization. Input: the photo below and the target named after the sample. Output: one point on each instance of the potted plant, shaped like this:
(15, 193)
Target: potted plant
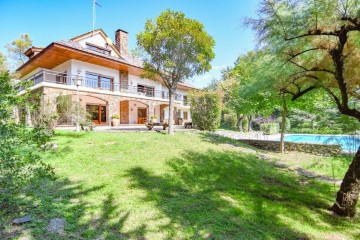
(153, 119)
(181, 121)
(115, 120)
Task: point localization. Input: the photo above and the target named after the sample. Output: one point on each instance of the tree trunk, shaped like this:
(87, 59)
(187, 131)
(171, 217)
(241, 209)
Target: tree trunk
(239, 122)
(347, 196)
(249, 123)
(283, 125)
(171, 111)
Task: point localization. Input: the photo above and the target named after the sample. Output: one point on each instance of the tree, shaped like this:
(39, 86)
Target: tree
(3, 64)
(321, 39)
(174, 48)
(205, 109)
(20, 161)
(17, 48)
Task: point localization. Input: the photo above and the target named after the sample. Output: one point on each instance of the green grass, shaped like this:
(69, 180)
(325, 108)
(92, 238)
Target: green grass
(186, 186)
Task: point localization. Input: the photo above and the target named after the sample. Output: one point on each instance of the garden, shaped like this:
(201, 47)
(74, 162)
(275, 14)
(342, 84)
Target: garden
(131, 186)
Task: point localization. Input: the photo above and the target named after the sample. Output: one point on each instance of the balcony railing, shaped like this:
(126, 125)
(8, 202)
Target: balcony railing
(65, 79)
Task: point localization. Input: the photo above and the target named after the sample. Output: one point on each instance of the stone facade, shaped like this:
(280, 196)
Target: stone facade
(114, 104)
(317, 149)
(124, 109)
(124, 79)
(121, 42)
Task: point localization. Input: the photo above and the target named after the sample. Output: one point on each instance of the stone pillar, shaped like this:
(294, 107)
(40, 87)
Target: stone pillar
(111, 109)
(16, 115)
(28, 120)
(124, 79)
(124, 112)
(151, 110)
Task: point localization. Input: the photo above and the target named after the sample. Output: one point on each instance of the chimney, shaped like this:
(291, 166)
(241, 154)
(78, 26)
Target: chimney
(121, 42)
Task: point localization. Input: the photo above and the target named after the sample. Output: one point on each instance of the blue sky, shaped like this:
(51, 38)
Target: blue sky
(48, 21)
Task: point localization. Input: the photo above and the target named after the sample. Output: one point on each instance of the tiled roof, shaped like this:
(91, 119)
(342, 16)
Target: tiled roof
(130, 60)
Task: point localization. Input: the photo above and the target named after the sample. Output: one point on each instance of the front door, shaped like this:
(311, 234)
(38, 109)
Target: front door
(97, 113)
(142, 115)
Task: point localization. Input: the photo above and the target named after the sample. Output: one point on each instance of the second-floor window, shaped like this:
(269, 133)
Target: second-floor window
(185, 100)
(98, 49)
(146, 90)
(94, 80)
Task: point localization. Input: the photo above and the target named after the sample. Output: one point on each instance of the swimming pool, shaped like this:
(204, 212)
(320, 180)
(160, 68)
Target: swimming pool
(348, 143)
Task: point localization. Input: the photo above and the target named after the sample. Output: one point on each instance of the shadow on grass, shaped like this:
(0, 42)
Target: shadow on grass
(227, 195)
(69, 200)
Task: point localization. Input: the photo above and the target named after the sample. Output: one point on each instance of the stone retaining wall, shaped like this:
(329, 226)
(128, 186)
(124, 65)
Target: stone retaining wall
(317, 149)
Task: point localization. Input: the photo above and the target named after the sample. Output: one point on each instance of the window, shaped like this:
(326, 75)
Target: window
(165, 95)
(185, 100)
(98, 49)
(94, 80)
(185, 114)
(146, 90)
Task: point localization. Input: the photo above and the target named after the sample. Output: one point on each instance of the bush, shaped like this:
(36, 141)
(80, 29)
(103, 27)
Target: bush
(205, 109)
(287, 123)
(269, 128)
(20, 147)
(230, 120)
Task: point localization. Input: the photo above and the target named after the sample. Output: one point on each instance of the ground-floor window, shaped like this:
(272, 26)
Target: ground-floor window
(97, 113)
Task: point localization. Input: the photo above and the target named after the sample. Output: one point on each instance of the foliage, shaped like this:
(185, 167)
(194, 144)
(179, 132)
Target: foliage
(44, 117)
(69, 111)
(115, 116)
(205, 109)
(174, 48)
(152, 117)
(287, 123)
(320, 45)
(230, 120)
(17, 48)
(3, 63)
(269, 128)
(20, 161)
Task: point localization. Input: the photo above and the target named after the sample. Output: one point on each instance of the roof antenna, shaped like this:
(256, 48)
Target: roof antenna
(94, 15)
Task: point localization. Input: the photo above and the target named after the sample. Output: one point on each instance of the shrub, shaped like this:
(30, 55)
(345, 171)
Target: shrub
(205, 109)
(152, 117)
(269, 128)
(20, 159)
(115, 116)
(287, 123)
(230, 120)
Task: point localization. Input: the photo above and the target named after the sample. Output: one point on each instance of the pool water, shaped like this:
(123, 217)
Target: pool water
(348, 143)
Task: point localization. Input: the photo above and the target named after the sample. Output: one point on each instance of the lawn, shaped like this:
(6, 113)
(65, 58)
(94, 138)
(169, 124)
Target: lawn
(186, 186)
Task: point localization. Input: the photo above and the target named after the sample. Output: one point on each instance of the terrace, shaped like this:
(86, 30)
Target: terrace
(102, 83)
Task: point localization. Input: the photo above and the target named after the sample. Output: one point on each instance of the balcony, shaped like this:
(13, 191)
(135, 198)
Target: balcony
(104, 84)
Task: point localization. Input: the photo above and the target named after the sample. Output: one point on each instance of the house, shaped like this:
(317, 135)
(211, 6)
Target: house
(111, 79)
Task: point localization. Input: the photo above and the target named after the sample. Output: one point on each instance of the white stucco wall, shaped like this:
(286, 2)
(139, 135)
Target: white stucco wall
(30, 73)
(133, 115)
(84, 67)
(66, 66)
